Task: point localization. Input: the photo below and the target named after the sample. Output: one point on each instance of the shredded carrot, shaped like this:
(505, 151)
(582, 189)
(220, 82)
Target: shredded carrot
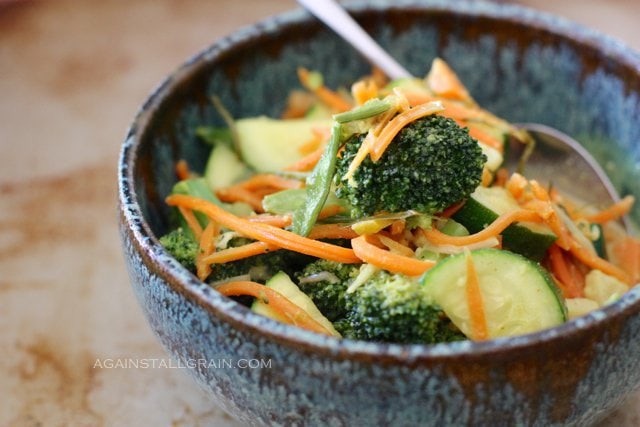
(396, 124)
(396, 247)
(326, 95)
(192, 221)
(330, 211)
(550, 215)
(571, 288)
(501, 177)
(182, 170)
(397, 227)
(614, 212)
(207, 247)
(298, 103)
(516, 185)
(386, 260)
(443, 81)
(364, 90)
(311, 145)
(594, 261)
(239, 194)
(292, 313)
(627, 254)
(239, 252)
(269, 180)
(484, 137)
(437, 237)
(451, 210)
(332, 231)
(487, 177)
(306, 163)
(477, 316)
(279, 221)
(264, 232)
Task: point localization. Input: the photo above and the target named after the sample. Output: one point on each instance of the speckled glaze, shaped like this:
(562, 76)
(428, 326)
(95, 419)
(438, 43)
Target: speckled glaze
(521, 64)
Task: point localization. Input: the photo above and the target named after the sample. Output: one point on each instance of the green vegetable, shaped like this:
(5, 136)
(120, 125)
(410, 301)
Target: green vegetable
(518, 295)
(431, 164)
(269, 145)
(369, 109)
(318, 185)
(182, 246)
(224, 168)
(525, 238)
(287, 201)
(326, 283)
(283, 284)
(394, 308)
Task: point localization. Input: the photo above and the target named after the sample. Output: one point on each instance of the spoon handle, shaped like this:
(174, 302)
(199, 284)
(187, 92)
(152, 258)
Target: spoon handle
(336, 18)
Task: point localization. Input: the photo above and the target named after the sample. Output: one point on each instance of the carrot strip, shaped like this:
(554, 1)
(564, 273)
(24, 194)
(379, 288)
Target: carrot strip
(364, 90)
(451, 210)
(279, 221)
(501, 177)
(311, 145)
(484, 137)
(306, 163)
(207, 247)
(397, 227)
(570, 288)
(192, 221)
(264, 232)
(239, 194)
(614, 212)
(386, 260)
(239, 252)
(330, 211)
(627, 254)
(380, 144)
(487, 177)
(443, 81)
(326, 95)
(396, 247)
(594, 261)
(479, 328)
(182, 170)
(269, 180)
(293, 314)
(332, 231)
(437, 237)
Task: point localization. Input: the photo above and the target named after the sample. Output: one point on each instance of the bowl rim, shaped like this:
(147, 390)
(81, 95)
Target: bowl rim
(240, 317)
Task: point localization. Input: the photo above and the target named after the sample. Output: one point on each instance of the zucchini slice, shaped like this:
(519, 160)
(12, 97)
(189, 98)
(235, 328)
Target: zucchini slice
(285, 286)
(486, 204)
(518, 295)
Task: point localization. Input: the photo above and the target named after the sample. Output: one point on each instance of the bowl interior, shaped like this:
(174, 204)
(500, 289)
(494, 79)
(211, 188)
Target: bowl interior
(518, 64)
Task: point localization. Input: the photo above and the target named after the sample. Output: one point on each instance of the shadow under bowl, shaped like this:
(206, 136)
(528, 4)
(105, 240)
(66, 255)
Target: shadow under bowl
(521, 64)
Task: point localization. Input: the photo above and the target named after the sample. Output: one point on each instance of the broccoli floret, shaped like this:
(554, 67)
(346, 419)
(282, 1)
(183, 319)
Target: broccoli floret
(393, 308)
(326, 282)
(182, 246)
(431, 164)
(261, 267)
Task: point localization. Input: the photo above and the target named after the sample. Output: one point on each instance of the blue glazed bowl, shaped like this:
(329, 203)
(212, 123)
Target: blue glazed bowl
(521, 64)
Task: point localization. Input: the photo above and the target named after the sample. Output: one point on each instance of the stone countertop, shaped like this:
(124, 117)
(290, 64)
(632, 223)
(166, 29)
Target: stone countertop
(72, 75)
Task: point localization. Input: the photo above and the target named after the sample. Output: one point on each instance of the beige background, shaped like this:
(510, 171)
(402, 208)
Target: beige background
(72, 75)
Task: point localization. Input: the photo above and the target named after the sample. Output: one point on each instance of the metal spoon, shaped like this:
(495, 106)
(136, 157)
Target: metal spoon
(581, 176)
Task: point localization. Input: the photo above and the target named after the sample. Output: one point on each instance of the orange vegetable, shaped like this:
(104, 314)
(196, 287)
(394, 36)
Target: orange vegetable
(571, 285)
(627, 254)
(192, 221)
(264, 232)
(364, 90)
(279, 221)
(380, 144)
(182, 170)
(332, 231)
(239, 252)
(239, 194)
(594, 261)
(443, 81)
(437, 237)
(614, 212)
(324, 94)
(479, 328)
(293, 314)
(306, 163)
(386, 260)
(269, 180)
(207, 247)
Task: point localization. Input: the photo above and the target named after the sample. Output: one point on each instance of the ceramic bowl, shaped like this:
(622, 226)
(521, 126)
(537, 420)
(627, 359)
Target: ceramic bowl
(522, 65)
